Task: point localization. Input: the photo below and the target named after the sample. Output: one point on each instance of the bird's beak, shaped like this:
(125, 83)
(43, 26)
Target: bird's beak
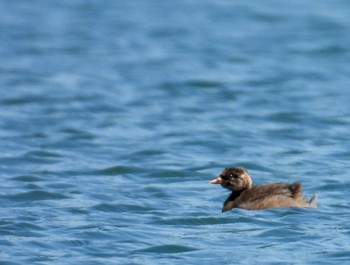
(218, 180)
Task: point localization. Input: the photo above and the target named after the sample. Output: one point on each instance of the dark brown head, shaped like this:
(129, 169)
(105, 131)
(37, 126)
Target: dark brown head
(234, 179)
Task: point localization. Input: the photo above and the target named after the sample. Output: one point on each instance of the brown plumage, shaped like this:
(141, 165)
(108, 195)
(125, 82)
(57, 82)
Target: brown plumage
(246, 196)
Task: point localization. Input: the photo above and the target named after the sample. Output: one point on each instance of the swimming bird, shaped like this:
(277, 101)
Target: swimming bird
(246, 196)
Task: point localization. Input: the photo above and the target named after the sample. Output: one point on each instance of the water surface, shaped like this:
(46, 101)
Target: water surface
(115, 115)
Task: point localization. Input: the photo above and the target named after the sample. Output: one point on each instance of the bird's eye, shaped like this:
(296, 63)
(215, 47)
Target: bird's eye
(235, 176)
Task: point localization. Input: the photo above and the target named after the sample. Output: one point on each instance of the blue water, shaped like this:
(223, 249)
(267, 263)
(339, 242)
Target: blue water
(115, 115)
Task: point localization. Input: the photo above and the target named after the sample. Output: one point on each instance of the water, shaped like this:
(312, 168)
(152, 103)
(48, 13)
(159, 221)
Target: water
(115, 115)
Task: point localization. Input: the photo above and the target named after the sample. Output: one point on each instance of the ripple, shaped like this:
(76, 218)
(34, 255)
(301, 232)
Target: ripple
(339, 255)
(28, 99)
(39, 156)
(37, 195)
(117, 170)
(20, 232)
(5, 242)
(73, 242)
(26, 226)
(281, 232)
(10, 263)
(167, 249)
(331, 50)
(27, 178)
(148, 152)
(78, 211)
(76, 134)
(204, 83)
(23, 229)
(107, 207)
(168, 173)
(41, 153)
(194, 221)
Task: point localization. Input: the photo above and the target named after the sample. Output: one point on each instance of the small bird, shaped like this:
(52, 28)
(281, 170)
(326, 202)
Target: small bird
(246, 196)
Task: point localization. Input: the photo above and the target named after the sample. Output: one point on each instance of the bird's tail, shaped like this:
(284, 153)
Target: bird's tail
(312, 201)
